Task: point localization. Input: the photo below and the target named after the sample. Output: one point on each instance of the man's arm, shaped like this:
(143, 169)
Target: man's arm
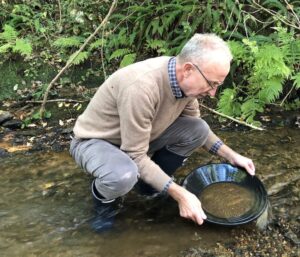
(216, 146)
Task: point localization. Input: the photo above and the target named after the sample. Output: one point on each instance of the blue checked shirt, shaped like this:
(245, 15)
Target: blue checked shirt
(173, 81)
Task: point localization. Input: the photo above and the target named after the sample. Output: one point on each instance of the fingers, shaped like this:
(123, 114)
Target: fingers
(193, 210)
(250, 168)
(200, 218)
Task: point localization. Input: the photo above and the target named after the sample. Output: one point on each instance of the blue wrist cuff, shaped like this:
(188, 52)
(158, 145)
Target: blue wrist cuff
(215, 147)
(166, 187)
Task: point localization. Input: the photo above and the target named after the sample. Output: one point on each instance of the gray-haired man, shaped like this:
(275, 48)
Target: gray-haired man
(144, 121)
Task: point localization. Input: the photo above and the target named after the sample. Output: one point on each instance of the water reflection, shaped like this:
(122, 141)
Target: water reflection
(45, 203)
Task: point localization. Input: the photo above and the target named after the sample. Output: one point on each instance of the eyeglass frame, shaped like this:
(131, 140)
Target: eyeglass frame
(212, 84)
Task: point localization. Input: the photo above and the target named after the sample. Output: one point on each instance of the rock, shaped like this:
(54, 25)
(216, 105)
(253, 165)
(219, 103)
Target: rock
(28, 133)
(67, 130)
(5, 116)
(12, 124)
(3, 153)
(297, 123)
(293, 237)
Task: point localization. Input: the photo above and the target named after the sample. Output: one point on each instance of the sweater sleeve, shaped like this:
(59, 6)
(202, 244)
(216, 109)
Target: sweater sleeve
(191, 109)
(136, 109)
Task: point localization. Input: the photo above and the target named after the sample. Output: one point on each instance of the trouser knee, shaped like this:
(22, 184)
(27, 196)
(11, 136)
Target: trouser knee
(118, 182)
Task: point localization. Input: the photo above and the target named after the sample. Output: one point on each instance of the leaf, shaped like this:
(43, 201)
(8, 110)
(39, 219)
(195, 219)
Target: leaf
(228, 103)
(4, 48)
(296, 80)
(22, 47)
(119, 53)
(9, 34)
(97, 44)
(250, 108)
(81, 57)
(127, 59)
(271, 90)
(67, 42)
(47, 114)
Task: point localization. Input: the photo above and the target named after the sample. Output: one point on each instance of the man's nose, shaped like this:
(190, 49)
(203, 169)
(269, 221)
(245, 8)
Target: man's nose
(212, 92)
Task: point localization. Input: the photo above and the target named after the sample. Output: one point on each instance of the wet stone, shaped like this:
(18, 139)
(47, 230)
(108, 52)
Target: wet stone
(5, 116)
(3, 153)
(12, 124)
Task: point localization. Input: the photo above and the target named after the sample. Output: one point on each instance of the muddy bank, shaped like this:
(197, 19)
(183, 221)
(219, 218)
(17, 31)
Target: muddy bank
(54, 134)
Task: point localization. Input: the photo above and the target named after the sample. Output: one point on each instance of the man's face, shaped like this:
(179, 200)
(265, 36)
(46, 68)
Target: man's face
(200, 81)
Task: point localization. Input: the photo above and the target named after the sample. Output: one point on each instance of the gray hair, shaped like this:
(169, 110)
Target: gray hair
(204, 47)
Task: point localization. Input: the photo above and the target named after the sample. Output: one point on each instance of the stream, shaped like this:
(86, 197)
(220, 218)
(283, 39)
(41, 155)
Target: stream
(46, 205)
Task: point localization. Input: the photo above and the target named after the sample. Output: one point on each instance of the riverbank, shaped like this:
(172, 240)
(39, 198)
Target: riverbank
(19, 130)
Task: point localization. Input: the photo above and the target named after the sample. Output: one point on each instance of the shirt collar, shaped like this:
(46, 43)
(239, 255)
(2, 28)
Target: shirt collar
(173, 81)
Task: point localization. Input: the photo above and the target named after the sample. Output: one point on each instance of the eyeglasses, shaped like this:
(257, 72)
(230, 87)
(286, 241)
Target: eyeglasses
(212, 84)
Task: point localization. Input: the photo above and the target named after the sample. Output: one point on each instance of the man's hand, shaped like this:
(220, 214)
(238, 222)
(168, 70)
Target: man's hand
(244, 162)
(236, 159)
(189, 205)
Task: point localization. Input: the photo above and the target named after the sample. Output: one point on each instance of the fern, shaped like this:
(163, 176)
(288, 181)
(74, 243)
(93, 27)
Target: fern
(250, 108)
(67, 42)
(228, 103)
(5, 48)
(97, 44)
(296, 78)
(127, 59)
(9, 34)
(80, 58)
(155, 44)
(270, 62)
(271, 90)
(119, 53)
(22, 47)
(11, 42)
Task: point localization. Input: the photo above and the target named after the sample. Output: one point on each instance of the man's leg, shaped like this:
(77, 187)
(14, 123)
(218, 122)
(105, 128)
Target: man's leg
(114, 172)
(175, 144)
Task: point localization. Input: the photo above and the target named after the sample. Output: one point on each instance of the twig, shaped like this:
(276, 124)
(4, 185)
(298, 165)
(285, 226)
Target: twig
(60, 14)
(292, 9)
(102, 55)
(58, 100)
(279, 16)
(231, 118)
(69, 63)
(283, 100)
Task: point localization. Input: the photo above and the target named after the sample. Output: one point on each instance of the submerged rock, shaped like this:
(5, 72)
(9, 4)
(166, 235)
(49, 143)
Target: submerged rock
(5, 116)
(3, 153)
(12, 124)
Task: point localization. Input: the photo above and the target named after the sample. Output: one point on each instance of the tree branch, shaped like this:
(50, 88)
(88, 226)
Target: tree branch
(231, 118)
(70, 61)
(58, 100)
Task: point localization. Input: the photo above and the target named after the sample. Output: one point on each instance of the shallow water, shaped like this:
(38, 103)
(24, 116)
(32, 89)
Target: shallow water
(45, 203)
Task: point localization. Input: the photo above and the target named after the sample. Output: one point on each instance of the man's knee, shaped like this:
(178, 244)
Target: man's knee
(119, 181)
(200, 130)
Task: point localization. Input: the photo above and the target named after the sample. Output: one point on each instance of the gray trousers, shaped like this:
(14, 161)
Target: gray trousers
(116, 173)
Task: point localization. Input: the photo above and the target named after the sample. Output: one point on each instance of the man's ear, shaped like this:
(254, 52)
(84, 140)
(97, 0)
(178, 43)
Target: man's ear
(187, 69)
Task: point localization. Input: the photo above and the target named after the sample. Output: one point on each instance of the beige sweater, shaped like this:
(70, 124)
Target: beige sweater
(131, 109)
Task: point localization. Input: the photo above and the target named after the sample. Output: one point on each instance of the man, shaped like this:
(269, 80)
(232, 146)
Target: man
(143, 122)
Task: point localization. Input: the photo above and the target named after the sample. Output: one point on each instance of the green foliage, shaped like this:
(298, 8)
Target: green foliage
(67, 42)
(263, 40)
(80, 58)
(36, 116)
(269, 65)
(11, 42)
(127, 59)
(228, 103)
